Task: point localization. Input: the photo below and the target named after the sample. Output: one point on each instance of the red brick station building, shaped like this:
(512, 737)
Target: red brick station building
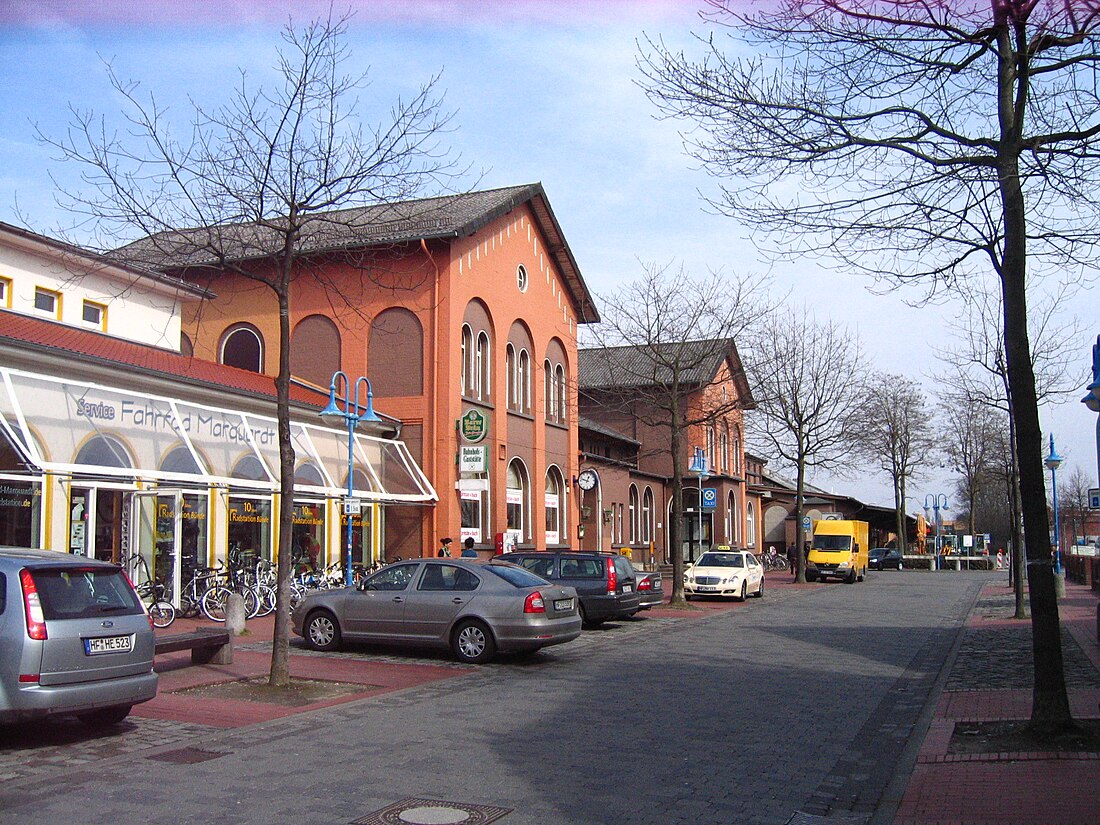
(137, 400)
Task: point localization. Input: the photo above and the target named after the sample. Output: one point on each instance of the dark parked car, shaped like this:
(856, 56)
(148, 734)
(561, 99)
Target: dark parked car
(651, 589)
(474, 609)
(74, 639)
(884, 558)
(607, 585)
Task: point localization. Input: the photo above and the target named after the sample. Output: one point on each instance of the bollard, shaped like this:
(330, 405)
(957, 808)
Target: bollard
(234, 614)
(1059, 585)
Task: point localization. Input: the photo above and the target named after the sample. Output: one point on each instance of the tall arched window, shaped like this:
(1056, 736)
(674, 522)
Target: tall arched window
(467, 366)
(396, 353)
(523, 382)
(563, 398)
(484, 367)
(243, 347)
(517, 498)
(555, 508)
(510, 367)
(647, 515)
(734, 531)
(549, 390)
(712, 456)
(633, 514)
(315, 350)
(750, 526)
(724, 450)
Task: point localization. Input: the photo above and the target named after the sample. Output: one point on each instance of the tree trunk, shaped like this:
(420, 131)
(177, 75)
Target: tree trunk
(675, 540)
(899, 506)
(279, 675)
(799, 506)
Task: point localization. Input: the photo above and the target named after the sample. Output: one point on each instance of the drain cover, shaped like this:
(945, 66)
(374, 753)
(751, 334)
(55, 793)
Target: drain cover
(414, 811)
(186, 756)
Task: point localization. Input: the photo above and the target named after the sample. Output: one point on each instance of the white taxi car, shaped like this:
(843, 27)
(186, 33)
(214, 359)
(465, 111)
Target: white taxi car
(725, 572)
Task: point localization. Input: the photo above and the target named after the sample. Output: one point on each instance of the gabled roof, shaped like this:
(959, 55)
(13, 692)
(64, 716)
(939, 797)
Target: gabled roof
(650, 365)
(95, 347)
(448, 216)
(602, 429)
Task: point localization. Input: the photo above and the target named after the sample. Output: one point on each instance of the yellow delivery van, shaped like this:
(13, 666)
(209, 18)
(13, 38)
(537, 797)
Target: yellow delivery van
(839, 550)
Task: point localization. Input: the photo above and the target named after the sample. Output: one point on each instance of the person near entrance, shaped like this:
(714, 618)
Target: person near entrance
(445, 548)
(468, 551)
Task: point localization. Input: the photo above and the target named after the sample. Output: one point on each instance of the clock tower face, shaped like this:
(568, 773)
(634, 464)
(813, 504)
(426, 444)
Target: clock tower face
(587, 479)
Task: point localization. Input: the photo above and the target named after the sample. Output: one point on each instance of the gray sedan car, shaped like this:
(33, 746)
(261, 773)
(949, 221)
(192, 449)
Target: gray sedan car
(474, 609)
(74, 639)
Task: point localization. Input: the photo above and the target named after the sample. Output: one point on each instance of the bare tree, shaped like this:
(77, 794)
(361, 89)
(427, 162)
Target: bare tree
(896, 432)
(249, 190)
(915, 140)
(807, 378)
(969, 445)
(1073, 506)
(664, 348)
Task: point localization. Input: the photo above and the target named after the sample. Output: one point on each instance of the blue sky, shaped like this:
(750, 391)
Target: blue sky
(542, 91)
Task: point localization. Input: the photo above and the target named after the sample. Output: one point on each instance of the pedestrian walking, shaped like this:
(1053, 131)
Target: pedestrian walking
(445, 548)
(792, 559)
(468, 551)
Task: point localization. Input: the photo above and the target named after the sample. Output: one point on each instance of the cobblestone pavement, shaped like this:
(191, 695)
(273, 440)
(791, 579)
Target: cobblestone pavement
(792, 708)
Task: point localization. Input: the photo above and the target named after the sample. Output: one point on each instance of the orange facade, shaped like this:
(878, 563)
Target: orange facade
(484, 322)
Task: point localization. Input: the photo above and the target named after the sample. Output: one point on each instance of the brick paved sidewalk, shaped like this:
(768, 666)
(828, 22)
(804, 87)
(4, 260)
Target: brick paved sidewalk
(991, 680)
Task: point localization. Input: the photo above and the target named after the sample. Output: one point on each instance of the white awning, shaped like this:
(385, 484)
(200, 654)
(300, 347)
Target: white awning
(75, 427)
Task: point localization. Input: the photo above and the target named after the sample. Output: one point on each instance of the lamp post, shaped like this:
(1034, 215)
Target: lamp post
(1053, 462)
(699, 465)
(935, 506)
(346, 408)
(1092, 400)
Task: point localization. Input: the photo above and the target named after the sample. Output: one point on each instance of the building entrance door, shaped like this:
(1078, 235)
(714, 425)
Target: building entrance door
(99, 522)
(158, 516)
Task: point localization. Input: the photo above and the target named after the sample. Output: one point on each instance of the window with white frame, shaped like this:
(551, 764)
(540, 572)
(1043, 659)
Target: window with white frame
(554, 507)
(5, 292)
(510, 368)
(523, 382)
(559, 380)
(522, 280)
(484, 367)
(473, 507)
(550, 390)
(94, 314)
(647, 515)
(516, 498)
(48, 301)
(466, 368)
(724, 449)
(734, 529)
(750, 526)
(633, 514)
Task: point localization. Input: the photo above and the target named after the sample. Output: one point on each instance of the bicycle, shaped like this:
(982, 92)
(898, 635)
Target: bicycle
(151, 593)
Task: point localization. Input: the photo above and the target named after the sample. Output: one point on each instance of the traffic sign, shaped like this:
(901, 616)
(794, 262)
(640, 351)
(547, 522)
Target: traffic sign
(710, 498)
(1094, 498)
(805, 522)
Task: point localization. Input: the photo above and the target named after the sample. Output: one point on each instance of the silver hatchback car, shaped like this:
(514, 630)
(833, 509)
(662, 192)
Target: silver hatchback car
(74, 639)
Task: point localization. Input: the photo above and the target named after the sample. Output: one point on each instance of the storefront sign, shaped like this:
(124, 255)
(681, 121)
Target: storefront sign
(473, 426)
(473, 459)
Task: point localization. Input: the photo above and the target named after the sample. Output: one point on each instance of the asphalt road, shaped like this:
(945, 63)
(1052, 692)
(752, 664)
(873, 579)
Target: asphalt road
(802, 706)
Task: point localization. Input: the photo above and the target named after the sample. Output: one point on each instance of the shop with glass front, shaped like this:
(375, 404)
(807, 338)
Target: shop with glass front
(165, 485)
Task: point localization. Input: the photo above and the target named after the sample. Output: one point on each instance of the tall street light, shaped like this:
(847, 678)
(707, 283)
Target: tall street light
(935, 506)
(1092, 400)
(346, 407)
(1053, 462)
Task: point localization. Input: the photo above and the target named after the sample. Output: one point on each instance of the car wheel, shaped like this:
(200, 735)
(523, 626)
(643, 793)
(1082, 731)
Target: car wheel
(322, 631)
(688, 597)
(105, 717)
(473, 643)
(760, 589)
(744, 592)
(863, 574)
(851, 577)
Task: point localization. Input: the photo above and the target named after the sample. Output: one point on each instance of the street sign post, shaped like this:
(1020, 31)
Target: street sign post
(710, 498)
(1094, 498)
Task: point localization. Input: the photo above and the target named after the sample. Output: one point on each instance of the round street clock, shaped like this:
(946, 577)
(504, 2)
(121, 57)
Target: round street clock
(587, 479)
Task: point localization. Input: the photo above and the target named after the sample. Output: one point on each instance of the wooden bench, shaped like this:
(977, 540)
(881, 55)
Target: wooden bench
(208, 646)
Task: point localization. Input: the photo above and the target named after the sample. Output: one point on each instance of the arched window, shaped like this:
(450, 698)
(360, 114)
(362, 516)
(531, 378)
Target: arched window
(733, 532)
(712, 457)
(243, 347)
(517, 497)
(633, 514)
(104, 451)
(484, 367)
(396, 354)
(180, 460)
(750, 526)
(467, 366)
(307, 474)
(724, 450)
(249, 467)
(510, 363)
(737, 452)
(523, 382)
(549, 390)
(315, 350)
(555, 508)
(647, 515)
(563, 399)
(187, 346)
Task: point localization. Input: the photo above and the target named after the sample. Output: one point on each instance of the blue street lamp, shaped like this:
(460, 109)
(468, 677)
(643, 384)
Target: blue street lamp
(346, 407)
(1092, 400)
(1053, 462)
(935, 506)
